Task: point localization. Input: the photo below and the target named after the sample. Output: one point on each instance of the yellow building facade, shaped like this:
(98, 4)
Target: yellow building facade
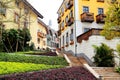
(22, 14)
(42, 35)
(75, 17)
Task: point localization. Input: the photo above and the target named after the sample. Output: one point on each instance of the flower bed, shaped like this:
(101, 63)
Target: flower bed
(74, 73)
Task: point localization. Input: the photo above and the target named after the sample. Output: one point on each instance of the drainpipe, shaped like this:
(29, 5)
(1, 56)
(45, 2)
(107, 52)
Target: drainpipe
(75, 19)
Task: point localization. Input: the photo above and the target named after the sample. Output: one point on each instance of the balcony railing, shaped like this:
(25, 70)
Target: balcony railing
(70, 21)
(100, 18)
(87, 17)
(59, 19)
(40, 34)
(86, 35)
(100, 0)
(70, 4)
(59, 32)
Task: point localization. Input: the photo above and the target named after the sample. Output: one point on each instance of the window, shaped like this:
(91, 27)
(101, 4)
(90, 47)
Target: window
(71, 31)
(63, 23)
(85, 9)
(100, 11)
(58, 14)
(3, 11)
(59, 26)
(17, 2)
(16, 18)
(71, 35)
(71, 13)
(25, 23)
(66, 19)
(26, 10)
(86, 29)
(63, 40)
(66, 5)
(67, 37)
(38, 40)
(62, 10)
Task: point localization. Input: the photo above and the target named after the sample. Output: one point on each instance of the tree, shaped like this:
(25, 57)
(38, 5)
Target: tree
(4, 4)
(15, 40)
(112, 21)
(104, 56)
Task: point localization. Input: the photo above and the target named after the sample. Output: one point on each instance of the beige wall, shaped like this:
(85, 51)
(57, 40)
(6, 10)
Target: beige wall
(31, 17)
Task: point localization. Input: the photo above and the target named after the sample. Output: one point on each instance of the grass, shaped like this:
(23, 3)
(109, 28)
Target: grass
(54, 60)
(17, 63)
(16, 67)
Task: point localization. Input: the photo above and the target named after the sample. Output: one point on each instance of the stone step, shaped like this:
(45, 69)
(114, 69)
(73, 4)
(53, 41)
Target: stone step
(107, 73)
(76, 61)
(111, 78)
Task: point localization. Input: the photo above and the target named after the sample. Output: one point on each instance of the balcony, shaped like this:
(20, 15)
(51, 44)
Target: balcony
(59, 32)
(70, 4)
(100, 0)
(59, 19)
(40, 34)
(100, 18)
(85, 36)
(70, 21)
(87, 17)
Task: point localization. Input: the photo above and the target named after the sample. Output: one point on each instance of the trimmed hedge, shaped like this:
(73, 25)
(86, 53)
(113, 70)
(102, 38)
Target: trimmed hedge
(16, 67)
(39, 53)
(54, 60)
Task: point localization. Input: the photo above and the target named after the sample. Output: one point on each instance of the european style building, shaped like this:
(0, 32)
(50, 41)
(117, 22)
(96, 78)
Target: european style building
(22, 14)
(80, 23)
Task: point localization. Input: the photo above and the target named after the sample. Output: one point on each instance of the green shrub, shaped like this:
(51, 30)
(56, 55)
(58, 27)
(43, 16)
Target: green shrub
(118, 56)
(16, 67)
(32, 59)
(118, 69)
(104, 56)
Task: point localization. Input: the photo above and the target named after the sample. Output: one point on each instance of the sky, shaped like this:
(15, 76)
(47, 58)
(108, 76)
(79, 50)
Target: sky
(48, 8)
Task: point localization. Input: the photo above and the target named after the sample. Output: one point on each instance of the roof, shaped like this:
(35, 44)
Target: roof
(61, 6)
(32, 8)
(42, 23)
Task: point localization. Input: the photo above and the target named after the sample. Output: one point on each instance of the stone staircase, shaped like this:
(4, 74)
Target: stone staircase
(107, 73)
(76, 61)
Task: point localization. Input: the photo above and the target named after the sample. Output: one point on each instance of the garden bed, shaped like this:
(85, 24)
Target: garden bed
(74, 73)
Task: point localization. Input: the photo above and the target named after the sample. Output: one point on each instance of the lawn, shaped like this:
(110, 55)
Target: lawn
(17, 63)
(16, 67)
(53, 60)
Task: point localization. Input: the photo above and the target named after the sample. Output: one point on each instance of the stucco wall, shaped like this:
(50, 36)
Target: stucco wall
(87, 48)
